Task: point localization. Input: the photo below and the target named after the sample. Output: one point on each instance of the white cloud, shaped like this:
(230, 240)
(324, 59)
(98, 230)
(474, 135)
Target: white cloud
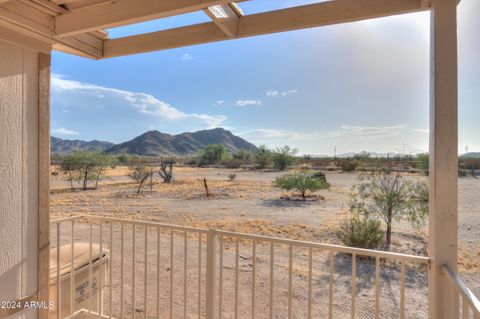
(220, 102)
(290, 92)
(63, 131)
(143, 103)
(264, 133)
(276, 93)
(272, 93)
(249, 102)
(187, 57)
(421, 130)
(346, 131)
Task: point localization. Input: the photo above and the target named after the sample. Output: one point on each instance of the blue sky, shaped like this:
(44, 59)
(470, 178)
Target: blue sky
(357, 86)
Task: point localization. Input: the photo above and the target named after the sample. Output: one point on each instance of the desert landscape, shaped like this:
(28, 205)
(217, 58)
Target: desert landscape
(249, 203)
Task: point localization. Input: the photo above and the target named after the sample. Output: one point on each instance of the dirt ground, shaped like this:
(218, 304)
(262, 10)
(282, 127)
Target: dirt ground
(250, 204)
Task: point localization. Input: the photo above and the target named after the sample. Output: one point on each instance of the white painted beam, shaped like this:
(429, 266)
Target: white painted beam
(123, 12)
(313, 15)
(443, 222)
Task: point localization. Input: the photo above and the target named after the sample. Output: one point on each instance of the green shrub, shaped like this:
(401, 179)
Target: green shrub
(244, 156)
(212, 154)
(348, 165)
(232, 163)
(422, 162)
(283, 157)
(232, 176)
(301, 182)
(263, 157)
(360, 232)
(320, 176)
(123, 158)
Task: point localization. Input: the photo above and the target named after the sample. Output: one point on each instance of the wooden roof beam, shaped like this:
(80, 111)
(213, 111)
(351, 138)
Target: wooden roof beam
(307, 16)
(34, 19)
(124, 12)
(225, 17)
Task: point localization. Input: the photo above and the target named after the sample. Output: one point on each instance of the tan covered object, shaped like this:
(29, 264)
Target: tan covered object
(81, 267)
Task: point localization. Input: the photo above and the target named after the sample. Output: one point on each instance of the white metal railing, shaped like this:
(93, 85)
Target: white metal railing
(165, 271)
(470, 305)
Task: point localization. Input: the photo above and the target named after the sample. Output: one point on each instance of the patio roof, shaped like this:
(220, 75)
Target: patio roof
(78, 26)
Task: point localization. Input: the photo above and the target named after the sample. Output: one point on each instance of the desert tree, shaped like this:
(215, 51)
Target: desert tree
(283, 157)
(86, 166)
(300, 182)
(262, 157)
(70, 164)
(388, 196)
(212, 154)
(139, 171)
(422, 160)
(102, 162)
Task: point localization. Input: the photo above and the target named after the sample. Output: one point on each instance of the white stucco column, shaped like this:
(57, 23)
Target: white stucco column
(443, 220)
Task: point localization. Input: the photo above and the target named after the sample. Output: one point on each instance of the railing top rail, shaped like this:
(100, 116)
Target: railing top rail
(64, 219)
(132, 222)
(466, 293)
(331, 247)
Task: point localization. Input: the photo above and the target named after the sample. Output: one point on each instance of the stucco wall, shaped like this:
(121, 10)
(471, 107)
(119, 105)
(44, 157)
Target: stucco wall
(18, 171)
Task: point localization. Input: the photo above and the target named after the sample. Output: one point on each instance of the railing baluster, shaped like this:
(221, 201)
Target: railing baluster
(310, 266)
(330, 287)
(121, 269)
(236, 277)
(185, 275)
(220, 283)
(211, 278)
(145, 286)
(254, 268)
(171, 273)
(199, 275)
(133, 268)
(402, 290)
(354, 284)
(464, 308)
(90, 292)
(158, 271)
(59, 307)
(271, 281)
(99, 283)
(111, 272)
(72, 268)
(290, 265)
(377, 287)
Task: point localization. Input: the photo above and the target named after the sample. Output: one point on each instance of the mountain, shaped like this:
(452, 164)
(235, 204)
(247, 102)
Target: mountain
(155, 143)
(61, 146)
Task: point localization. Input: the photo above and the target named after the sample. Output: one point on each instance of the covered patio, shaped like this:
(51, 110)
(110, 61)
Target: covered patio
(31, 29)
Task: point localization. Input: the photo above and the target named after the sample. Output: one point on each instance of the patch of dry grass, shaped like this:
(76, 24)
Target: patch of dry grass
(469, 259)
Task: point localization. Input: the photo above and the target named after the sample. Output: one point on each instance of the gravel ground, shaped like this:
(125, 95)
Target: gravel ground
(250, 204)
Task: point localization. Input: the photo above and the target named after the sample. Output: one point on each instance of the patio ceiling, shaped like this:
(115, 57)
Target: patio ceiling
(78, 26)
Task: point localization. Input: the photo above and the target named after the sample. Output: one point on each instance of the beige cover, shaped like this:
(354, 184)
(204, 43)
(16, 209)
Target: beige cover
(80, 258)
